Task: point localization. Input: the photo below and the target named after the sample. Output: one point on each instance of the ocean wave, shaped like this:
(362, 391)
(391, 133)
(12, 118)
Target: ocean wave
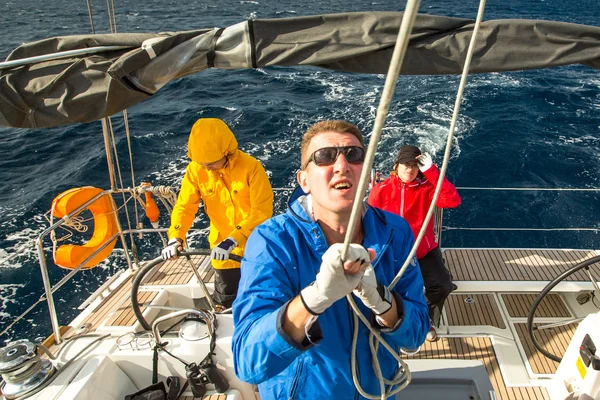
(8, 293)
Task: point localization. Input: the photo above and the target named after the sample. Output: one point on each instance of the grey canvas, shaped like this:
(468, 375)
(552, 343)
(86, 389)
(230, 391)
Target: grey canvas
(89, 87)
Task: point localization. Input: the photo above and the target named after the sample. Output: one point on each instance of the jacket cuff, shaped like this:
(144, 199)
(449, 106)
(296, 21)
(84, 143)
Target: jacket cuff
(314, 332)
(432, 168)
(401, 312)
(239, 237)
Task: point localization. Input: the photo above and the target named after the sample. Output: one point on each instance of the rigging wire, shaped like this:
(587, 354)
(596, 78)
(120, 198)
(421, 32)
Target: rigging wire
(120, 176)
(128, 136)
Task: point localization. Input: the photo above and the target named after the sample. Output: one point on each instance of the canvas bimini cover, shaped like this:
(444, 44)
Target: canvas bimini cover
(96, 85)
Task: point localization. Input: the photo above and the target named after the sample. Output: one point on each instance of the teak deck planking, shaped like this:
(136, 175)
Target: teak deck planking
(480, 309)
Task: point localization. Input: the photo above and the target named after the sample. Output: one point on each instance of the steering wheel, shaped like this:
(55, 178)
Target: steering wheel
(135, 285)
(584, 264)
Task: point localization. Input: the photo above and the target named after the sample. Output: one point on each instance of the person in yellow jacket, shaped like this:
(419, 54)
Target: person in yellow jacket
(237, 197)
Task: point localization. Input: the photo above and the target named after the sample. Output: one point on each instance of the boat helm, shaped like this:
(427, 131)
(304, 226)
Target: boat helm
(193, 328)
(22, 370)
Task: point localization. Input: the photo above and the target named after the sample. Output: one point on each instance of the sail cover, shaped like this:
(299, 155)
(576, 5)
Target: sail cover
(96, 85)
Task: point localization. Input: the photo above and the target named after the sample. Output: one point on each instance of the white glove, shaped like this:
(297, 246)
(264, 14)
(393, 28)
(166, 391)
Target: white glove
(425, 162)
(373, 294)
(222, 251)
(172, 250)
(332, 283)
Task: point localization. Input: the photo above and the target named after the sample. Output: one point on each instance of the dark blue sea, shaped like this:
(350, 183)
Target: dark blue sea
(531, 129)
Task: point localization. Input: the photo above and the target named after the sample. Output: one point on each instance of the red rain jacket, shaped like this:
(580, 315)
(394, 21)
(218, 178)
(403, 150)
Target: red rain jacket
(412, 200)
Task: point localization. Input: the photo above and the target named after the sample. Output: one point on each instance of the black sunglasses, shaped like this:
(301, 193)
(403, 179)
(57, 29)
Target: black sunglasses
(329, 155)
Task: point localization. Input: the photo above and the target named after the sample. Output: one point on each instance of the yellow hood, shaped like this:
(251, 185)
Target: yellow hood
(210, 140)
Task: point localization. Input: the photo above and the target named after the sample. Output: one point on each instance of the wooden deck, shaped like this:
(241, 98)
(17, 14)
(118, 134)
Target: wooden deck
(480, 348)
(115, 309)
(495, 311)
(555, 341)
(472, 310)
(519, 304)
(514, 264)
(485, 309)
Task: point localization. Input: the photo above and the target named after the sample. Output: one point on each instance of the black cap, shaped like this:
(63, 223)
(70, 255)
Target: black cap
(407, 153)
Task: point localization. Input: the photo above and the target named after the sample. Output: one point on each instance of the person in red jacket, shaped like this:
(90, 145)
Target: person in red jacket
(409, 192)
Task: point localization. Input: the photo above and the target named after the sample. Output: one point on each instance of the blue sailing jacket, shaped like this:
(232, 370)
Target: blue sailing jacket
(283, 255)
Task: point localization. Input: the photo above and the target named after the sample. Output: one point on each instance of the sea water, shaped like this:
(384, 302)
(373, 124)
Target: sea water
(530, 129)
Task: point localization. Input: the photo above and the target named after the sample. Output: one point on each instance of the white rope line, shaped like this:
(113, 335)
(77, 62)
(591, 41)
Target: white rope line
(110, 21)
(402, 377)
(89, 7)
(459, 95)
(114, 16)
(408, 19)
(391, 79)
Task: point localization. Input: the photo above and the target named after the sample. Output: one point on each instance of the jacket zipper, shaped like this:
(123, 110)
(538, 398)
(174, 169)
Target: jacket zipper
(402, 201)
(226, 187)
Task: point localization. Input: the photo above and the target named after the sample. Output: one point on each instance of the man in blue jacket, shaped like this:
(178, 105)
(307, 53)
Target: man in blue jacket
(293, 324)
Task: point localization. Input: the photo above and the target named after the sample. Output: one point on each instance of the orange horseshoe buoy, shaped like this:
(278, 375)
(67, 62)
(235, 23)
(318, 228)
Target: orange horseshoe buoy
(70, 256)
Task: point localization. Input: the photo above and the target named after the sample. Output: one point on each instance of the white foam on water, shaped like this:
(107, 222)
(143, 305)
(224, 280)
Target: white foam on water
(172, 174)
(22, 239)
(159, 134)
(7, 295)
(496, 79)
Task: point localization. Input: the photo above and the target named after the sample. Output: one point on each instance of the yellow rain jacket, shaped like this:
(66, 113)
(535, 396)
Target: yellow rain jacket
(237, 198)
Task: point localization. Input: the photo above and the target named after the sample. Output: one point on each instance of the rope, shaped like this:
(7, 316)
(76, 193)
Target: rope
(90, 15)
(110, 21)
(391, 79)
(114, 16)
(34, 368)
(402, 378)
(463, 81)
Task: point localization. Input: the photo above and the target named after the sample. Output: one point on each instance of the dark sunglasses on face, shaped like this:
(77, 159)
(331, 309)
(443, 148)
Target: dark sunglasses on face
(329, 155)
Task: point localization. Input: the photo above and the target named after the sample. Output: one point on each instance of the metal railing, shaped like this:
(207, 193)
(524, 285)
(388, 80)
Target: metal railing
(49, 290)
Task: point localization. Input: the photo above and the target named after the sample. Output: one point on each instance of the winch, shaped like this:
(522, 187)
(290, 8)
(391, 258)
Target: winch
(23, 371)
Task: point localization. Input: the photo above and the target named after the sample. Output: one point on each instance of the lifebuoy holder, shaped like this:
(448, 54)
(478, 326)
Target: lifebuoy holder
(70, 256)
